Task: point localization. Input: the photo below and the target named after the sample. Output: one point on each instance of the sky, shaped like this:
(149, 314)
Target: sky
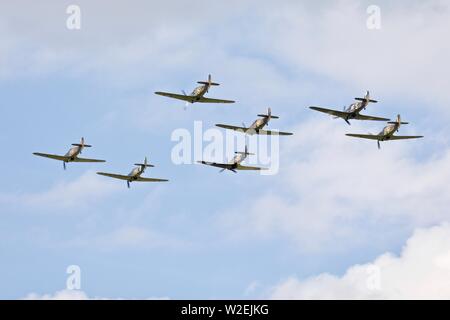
(340, 219)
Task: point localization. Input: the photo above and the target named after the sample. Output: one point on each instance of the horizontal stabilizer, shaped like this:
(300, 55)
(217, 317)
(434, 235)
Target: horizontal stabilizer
(364, 99)
(247, 153)
(81, 145)
(266, 116)
(206, 82)
(144, 165)
(395, 122)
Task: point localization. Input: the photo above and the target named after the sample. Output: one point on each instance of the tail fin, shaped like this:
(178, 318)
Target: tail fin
(366, 98)
(209, 82)
(268, 115)
(82, 144)
(145, 164)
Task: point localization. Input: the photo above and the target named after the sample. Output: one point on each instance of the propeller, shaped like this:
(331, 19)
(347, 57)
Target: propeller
(187, 102)
(222, 170)
(128, 184)
(378, 143)
(64, 165)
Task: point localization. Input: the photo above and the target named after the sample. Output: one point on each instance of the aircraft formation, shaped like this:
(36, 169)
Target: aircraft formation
(352, 112)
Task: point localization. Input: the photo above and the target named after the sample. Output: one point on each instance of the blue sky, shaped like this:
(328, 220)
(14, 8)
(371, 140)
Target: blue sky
(335, 203)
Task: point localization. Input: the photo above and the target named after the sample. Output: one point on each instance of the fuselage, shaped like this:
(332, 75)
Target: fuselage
(389, 131)
(260, 123)
(200, 91)
(73, 152)
(136, 172)
(355, 108)
(238, 158)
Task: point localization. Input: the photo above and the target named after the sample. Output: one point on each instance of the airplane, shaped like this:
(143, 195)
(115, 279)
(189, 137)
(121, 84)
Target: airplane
(198, 95)
(71, 155)
(352, 111)
(235, 163)
(387, 133)
(257, 126)
(134, 175)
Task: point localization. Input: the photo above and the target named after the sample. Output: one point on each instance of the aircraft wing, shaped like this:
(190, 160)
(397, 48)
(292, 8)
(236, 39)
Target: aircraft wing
(404, 137)
(226, 126)
(218, 165)
(270, 132)
(241, 167)
(175, 96)
(113, 175)
(211, 100)
(365, 136)
(51, 156)
(363, 117)
(150, 179)
(87, 160)
(253, 131)
(336, 113)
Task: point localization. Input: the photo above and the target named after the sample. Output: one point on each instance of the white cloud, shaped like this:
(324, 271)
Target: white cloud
(330, 183)
(85, 190)
(407, 57)
(128, 237)
(59, 295)
(74, 295)
(422, 271)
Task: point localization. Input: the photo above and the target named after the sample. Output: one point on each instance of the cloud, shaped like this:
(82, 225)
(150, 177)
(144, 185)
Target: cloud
(59, 295)
(81, 192)
(331, 183)
(128, 237)
(421, 271)
(406, 58)
(74, 295)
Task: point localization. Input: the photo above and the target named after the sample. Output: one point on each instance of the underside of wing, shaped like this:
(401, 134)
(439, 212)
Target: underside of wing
(241, 167)
(113, 175)
(51, 156)
(226, 126)
(218, 165)
(365, 136)
(87, 160)
(211, 100)
(271, 132)
(175, 96)
(336, 113)
(150, 179)
(404, 137)
(363, 117)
